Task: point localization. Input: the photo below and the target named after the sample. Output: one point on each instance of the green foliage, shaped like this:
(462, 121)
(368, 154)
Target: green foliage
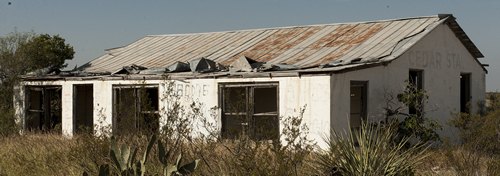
(375, 153)
(245, 156)
(124, 159)
(493, 101)
(11, 66)
(46, 51)
(479, 133)
(125, 163)
(176, 168)
(479, 141)
(412, 124)
(21, 53)
(421, 127)
(7, 123)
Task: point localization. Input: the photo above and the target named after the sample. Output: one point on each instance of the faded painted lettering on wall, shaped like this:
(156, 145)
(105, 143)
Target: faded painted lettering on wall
(434, 59)
(191, 90)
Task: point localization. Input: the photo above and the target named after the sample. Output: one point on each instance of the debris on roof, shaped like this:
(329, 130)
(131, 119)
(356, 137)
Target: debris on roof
(44, 72)
(132, 69)
(178, 67)
(202, 65)
(303, 46)
(244, 64)
(154, 71)
(277, 67)
(298, 48)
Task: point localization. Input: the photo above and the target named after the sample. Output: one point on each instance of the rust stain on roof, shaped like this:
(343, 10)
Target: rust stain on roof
(291, 43)
(341, 30)
(303, 46)
(271, 43)
(351, 39)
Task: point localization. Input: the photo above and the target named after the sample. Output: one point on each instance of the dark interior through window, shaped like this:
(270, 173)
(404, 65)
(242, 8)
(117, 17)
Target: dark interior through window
(250, 110)
(416, 81)
(465, 93)
(135, 110)
(83, 108)
(43, 112)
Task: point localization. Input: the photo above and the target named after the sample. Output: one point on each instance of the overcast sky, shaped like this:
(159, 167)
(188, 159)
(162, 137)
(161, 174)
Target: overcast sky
(94, 25)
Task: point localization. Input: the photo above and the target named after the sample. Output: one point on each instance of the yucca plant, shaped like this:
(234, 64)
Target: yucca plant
(369, 151)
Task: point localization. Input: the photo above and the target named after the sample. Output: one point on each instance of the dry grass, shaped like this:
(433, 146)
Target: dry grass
(455, 160)
(52, 154)
(36, 154)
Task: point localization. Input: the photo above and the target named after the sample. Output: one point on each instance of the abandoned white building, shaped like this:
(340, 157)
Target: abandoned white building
(341, 73)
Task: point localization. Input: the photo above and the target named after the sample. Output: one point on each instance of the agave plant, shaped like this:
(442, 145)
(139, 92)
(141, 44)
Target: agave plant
(370, 151)
(124, 159)
(177, 168)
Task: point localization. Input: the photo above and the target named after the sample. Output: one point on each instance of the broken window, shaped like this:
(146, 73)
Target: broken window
(135, 109)
(43, 108)
(250, 110)
(415, 80)
(465, 93)
(83, 108)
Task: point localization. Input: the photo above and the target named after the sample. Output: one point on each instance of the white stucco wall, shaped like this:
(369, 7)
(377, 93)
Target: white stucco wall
(294, 92)
(442, 58)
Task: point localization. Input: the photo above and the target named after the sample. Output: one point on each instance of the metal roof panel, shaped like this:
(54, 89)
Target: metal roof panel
(303, 46)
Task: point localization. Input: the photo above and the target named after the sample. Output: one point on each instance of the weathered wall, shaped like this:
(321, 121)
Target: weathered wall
(294, 93)
(442, 58)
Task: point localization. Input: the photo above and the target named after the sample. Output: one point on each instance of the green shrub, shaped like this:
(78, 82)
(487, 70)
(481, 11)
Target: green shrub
(369, 152)
(479, 133)
(244, 156)
(408, 124)
(7, 124)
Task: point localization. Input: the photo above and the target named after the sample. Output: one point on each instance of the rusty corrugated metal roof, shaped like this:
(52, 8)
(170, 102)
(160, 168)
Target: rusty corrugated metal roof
(302, 46)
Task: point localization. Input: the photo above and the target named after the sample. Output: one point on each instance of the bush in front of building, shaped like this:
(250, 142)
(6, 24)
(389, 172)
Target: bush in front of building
(408, 116)
(478, 151)
(370, 151)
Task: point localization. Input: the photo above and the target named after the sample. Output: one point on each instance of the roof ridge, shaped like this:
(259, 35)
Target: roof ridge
(297, 26)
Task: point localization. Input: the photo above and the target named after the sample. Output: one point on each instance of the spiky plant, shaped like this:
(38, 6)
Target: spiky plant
(369, 152)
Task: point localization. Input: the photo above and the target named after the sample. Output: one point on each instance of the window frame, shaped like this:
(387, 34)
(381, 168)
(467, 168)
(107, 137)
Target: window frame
(249, 111)
(45, 110)
(139, 112)
(419, 87)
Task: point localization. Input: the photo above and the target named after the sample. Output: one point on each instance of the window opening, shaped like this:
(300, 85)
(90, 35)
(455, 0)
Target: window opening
(43, 108)
(136, 109)
(250, 110)
(415, 80)
(83, 108)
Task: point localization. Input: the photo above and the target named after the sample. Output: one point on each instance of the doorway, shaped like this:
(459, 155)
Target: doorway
(465, 93)
(83, 108)
(358, 105)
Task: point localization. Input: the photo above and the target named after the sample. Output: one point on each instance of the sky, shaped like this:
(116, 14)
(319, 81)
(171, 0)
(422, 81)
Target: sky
(91, 26)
